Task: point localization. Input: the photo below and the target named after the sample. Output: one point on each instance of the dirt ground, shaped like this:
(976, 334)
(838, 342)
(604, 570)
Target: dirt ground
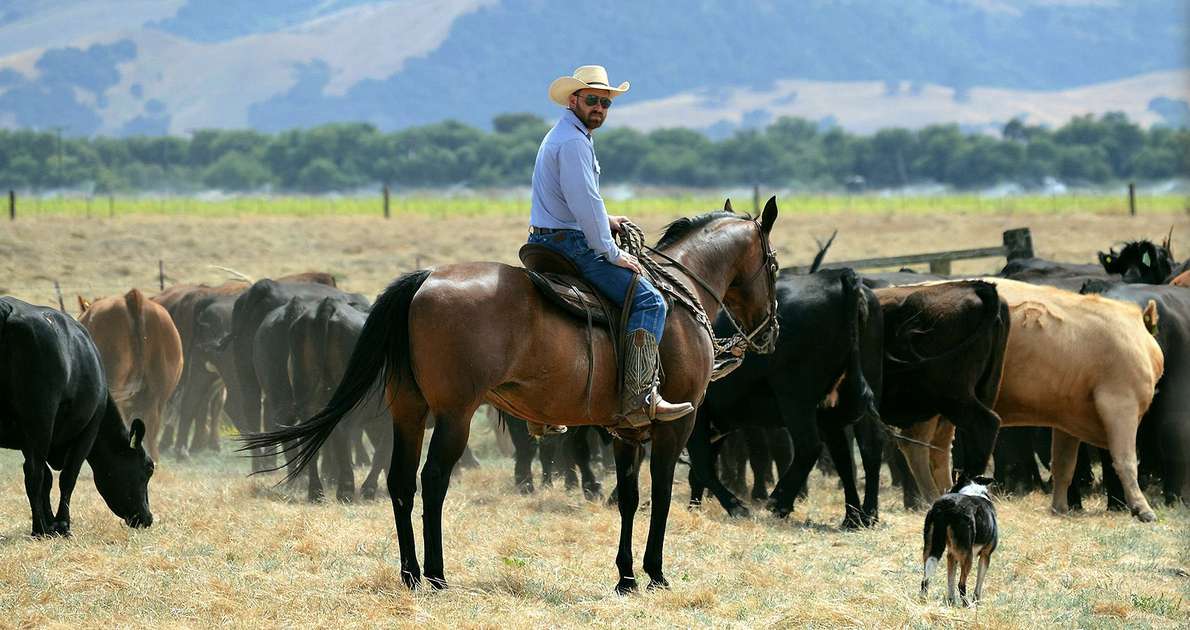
(105, 256)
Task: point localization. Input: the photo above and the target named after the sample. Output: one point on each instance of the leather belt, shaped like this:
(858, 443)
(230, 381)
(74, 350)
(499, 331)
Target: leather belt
(540, 230)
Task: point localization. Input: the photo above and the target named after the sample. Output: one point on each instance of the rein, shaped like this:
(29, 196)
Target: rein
(632, 241)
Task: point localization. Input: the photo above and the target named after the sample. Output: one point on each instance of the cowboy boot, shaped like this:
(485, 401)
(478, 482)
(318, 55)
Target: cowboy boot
(642, 403)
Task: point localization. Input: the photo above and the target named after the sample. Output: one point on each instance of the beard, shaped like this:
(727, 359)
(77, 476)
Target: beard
(592, 119)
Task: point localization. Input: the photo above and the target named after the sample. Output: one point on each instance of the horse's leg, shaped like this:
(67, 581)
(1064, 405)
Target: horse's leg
(446, 446)
(668, 441)
(627, 494)
(408, 410)
(839, 443)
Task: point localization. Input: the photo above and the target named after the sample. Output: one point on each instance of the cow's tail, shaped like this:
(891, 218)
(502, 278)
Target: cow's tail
(381, 355)
(134, 301)
(822, 247)
(856, 309)
(990, 315)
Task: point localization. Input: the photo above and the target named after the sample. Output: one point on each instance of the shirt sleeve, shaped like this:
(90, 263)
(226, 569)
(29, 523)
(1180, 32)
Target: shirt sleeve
(576, 174)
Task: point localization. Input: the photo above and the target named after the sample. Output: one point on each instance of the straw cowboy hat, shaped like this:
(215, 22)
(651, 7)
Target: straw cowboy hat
(594, 77)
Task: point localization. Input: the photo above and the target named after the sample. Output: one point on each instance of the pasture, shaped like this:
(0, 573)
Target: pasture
(233, 550)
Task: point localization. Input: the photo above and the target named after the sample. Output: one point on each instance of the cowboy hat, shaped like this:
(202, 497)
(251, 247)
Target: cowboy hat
(594, 77)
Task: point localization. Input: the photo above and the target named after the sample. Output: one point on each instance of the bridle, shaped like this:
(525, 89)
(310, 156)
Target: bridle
(761, 339)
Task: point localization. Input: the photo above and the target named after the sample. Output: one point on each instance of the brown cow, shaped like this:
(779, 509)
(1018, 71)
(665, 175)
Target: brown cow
(141, 353)
(1181, 280)
(1087, 367)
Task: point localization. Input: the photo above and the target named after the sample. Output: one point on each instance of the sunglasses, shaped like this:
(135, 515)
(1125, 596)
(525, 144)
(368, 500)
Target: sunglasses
(592, 99)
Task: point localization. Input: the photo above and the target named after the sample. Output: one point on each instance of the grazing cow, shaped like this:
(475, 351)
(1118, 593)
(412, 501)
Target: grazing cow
(1085, 366)
(943, 354)
(142, 355)
(560, 455)
(1165, 433)
(55, 408)
(321, 339)
(831, 317)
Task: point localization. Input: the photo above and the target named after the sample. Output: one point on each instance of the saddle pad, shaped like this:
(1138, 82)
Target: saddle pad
(575, 297)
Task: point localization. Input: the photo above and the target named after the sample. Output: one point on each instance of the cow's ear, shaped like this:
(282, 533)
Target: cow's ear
(136, 434)
(84, 305)
(769, 216)
(1151, 317)
(727, 206)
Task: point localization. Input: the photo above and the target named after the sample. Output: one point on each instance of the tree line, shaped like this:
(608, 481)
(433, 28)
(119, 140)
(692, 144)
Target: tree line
(789, 152)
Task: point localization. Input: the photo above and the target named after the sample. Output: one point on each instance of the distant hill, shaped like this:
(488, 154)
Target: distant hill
(171, 66)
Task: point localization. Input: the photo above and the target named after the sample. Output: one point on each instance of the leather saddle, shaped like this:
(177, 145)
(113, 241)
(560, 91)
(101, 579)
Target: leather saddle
(561, 283)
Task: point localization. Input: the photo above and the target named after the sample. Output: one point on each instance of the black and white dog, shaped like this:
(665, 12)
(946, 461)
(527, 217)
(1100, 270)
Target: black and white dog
(963, 520)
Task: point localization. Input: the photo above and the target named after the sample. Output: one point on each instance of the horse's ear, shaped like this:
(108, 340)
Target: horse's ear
(83, 304)
(727, 206)
(769, 216)
(136, 434)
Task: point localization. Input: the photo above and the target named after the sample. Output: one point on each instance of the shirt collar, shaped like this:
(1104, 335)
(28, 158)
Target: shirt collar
(573, 118)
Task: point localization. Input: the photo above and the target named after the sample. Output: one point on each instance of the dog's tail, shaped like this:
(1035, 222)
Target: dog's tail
(933, 546)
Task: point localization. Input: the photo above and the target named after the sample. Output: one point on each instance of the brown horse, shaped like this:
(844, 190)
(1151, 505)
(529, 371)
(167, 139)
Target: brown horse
(446, 340)
(142, 355)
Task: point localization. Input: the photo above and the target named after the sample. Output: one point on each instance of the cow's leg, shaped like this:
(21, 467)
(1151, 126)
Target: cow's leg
(1111, 482)
(940, 455)
(153, 411)
(627, 494)
(213, 420)
(580, 454)
(37, 472)
(801, 420)
(839, 444)
(703, 460)
(1121, 416)
(382, 439)
(525, 448)
(918, 458)
(359, 451)
(980, 426)
(868, 433)
(341, 454)
(1063, 456)
(898, 468)
(760, 461)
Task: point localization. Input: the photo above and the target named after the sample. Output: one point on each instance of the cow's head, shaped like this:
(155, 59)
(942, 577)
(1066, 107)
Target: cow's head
(1139, 262)
(122, 473)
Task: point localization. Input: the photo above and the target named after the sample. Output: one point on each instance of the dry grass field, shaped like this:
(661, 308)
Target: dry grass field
(234, 551)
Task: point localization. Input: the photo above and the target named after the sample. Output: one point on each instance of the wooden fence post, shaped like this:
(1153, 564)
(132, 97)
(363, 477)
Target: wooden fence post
(756, 199)
(111, 206)
(1018, 243)
(940, 267)
(58, 292)
(1132, 199)
(161, 274)
(386, 195)
(12, 205)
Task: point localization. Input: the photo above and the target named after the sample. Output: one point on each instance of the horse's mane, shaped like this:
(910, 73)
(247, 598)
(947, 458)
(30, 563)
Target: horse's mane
(683, 227)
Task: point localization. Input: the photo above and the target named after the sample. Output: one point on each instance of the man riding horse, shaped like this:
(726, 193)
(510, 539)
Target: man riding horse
(568, 216)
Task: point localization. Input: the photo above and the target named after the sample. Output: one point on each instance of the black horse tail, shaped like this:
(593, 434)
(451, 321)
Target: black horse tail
(381, 351)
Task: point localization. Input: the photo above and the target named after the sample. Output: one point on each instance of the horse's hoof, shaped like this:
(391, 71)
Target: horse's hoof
(658, 583)
(1146, 516)
(626, 586)
(411, 579)
(739, 510)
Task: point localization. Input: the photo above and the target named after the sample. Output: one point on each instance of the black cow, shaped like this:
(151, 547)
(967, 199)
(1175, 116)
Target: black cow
(944, 352)
(56, 409)
(320, 340)
(1163, 438)
(251, 309)
(824, 375)
(567, 455)
(1142, 262)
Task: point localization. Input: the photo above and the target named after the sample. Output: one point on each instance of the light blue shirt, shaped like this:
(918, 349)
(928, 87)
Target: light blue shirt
(566, 186)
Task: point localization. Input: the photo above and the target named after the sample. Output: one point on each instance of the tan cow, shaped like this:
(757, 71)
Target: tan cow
(1084, 365)
(141, 353)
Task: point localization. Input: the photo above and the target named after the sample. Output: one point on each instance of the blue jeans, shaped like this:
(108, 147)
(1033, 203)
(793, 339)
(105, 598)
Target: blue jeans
(647, 310)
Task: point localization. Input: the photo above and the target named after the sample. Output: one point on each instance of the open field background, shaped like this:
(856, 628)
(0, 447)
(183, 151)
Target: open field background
(230, 550)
